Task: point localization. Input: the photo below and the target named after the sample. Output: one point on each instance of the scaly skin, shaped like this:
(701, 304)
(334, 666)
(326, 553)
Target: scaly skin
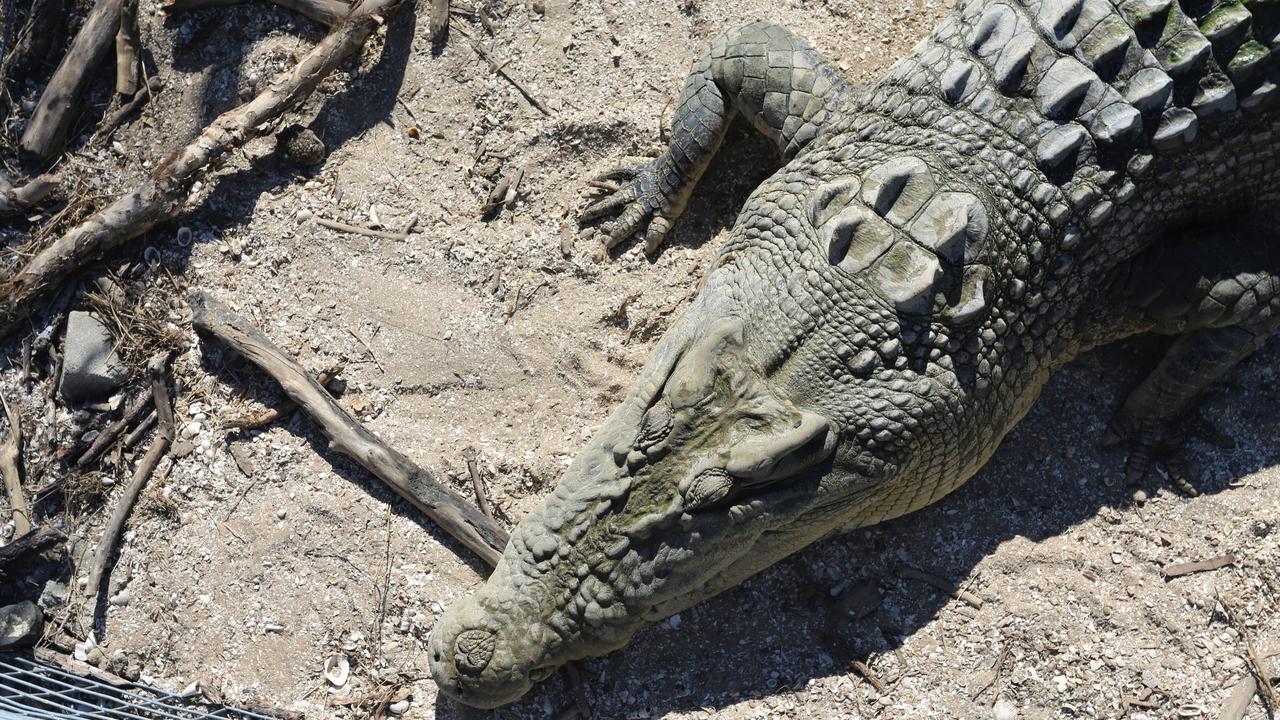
(891, 301)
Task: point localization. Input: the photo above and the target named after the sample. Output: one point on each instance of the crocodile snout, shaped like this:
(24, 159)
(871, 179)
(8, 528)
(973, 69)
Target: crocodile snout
(475, 662)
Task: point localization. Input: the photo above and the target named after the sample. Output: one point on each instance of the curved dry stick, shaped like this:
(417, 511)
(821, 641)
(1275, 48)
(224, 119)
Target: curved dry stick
(159, 197)
(449, 510)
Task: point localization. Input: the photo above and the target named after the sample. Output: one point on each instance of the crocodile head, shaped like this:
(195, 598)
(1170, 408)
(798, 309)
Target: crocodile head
(692, 485)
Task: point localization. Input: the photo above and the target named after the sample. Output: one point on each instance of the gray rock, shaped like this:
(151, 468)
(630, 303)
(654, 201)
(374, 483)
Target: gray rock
(91, 367)
(20, 624)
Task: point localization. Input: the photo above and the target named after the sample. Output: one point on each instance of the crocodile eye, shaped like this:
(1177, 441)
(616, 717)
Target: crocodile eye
(710, 487)
(656, 425)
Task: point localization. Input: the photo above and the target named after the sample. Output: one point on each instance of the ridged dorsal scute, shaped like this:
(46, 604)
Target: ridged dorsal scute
(855, 237)
(1227, 23)
(1183, 53)
(1149, 90)
(906, 276)
(1059, 94)
(830, 198)
(1106, 46)
(898, 188)
(1059, 145)
(1178, 126)
(1146, 16)
(994, 30)
(1215, 94)
(1067, 22)
(972, 302)
(959, 80)
(953, 225)
(1011, 65)
(1116, 125)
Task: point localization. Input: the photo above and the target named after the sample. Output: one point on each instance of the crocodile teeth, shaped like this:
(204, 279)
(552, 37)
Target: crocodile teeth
(1059, 144)
(994, 30)
(1149, 89)
(1177, 126)
(973, 296)
(855, 238)
(1116, 124)
(953, 225)
(906, 276)
(959, 80)
(897, 189)
(1063, 88)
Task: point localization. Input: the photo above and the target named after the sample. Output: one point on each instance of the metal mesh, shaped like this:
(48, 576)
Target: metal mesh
(30, 689)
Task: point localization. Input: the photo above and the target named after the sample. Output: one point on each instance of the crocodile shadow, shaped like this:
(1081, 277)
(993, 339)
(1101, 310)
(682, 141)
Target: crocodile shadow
(1048, 476)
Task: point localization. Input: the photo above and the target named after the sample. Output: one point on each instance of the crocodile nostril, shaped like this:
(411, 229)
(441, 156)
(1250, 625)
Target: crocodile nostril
(473, 650)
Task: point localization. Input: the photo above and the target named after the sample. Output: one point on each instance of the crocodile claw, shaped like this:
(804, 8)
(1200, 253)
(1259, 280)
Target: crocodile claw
(1152, 445)
(637, 206)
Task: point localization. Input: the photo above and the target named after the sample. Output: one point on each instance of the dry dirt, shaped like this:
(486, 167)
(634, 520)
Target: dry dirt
(515, 337)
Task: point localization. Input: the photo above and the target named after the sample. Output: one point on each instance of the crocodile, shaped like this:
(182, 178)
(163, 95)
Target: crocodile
(1035, 179)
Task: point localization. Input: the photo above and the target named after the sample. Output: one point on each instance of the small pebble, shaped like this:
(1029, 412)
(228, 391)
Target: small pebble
(121, 599)
(398, 708)
(281, 513)
(305, 215)
(1139, 496)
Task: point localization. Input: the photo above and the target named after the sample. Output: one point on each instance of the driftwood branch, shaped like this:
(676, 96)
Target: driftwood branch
(127, 49)
(17, 200)
(14, 556)
(11, 468)
(63, 97)
(160, 196)
(450, 511)
(327, 12)
(159, 446)
(438, 21)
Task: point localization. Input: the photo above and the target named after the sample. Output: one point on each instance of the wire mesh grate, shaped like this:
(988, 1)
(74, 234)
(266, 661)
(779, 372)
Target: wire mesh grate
(31, 689)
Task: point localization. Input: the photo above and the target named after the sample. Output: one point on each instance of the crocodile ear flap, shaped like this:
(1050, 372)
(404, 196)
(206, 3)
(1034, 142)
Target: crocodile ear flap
(760, 459)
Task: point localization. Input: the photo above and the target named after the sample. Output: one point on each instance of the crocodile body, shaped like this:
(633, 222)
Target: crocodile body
(1035, 179)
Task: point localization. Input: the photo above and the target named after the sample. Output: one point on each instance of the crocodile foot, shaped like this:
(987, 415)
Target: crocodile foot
(638, 205)
(1161, 444)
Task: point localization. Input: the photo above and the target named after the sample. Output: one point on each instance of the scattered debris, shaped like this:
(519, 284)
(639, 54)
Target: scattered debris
(302, 146)
(1188, 568)
(286, 406)
(21, 624)
(469, 454)
(91, 367)
(337, 669)
(870, 676)
(910, 573)
(360, 230)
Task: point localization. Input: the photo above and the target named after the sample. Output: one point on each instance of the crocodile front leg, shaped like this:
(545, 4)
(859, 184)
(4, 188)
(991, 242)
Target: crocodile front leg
(764, 71)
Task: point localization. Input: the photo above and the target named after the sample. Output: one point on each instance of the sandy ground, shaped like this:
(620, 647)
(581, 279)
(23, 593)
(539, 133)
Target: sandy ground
(515, 337)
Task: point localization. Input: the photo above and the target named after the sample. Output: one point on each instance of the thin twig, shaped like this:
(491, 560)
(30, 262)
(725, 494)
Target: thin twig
(156, 368)
(360, 230)
(11, 468)
(469, 454)
(500, 69)
(280, 409)
(140, 98)
(1188, 568)
(870, 675)
(132, 411)
(451, 512)
(368, 350)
